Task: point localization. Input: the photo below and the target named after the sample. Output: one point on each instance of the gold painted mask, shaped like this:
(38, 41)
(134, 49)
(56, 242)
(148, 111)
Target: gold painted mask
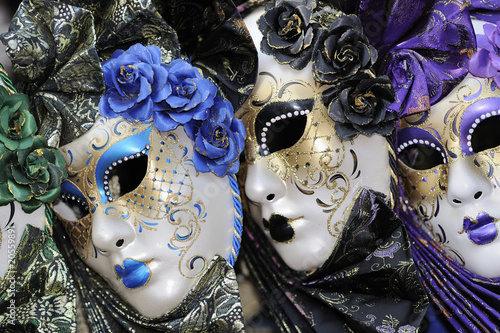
(449, 163)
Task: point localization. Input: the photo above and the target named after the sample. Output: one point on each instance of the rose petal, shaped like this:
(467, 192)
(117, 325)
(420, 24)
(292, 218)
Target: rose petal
(181, 117)
(479, 65)
(345, 131)
(5, 195)
(104, 108)
(118, 103)
(163, 122)
(200, 162)
(19, 192)
(145, 89)
(141, 111)
(146, 71)
(219, 170)
(495, 60)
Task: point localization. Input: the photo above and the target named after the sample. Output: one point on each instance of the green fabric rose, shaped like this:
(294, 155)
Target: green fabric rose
(17, 124)
(32, 175)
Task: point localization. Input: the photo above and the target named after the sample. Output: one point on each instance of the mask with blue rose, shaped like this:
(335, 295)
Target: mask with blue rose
(140, 87)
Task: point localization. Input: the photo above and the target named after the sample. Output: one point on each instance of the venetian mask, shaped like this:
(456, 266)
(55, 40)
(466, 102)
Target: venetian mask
(300, 178)
(139, 214)
(450, 169)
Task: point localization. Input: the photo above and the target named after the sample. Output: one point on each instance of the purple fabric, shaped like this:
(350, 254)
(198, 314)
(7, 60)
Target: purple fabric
(486, 10)
(423, 47)
(469, 302)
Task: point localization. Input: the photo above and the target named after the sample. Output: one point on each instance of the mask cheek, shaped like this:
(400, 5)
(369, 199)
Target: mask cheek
(422, 187)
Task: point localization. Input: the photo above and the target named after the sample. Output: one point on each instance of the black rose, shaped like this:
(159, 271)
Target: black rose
(288, 32)
(359, 105)
(344, 50)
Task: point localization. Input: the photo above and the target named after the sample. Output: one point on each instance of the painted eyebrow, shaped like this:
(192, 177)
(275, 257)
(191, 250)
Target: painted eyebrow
(473, 115)
(126, 147)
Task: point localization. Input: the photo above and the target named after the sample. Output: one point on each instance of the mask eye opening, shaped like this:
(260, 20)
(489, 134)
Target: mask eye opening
(418, 149)
(280, 125)
(484, 134)
(126, 174)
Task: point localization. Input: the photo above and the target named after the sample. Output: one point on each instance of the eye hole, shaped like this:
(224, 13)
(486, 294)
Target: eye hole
(280, 125)
(419, 149)
(72, 205)
(420, 157)
(486, 134)
(125, 175)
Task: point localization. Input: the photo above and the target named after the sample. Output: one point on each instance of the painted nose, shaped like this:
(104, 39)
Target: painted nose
(111, 231)
(467, 183)
(262, 185)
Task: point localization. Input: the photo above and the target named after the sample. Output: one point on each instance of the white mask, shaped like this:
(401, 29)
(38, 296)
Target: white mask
(449, 161)
(301, 179)
(151, 232)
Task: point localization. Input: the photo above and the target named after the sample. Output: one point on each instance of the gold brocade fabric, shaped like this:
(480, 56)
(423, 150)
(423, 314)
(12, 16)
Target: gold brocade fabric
(213, 305)
(37, 293)
(369, 283)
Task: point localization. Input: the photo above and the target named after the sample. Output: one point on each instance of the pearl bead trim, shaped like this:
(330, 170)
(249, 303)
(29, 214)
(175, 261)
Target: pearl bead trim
(422, 142)
(289, 115)
(114, 164)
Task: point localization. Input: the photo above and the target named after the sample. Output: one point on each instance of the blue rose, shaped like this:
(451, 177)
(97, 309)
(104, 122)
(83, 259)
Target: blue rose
(218, 140)
(136, 80)
(191, 98)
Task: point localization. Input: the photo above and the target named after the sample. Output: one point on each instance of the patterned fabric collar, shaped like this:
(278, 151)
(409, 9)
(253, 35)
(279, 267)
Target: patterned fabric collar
(37, 287)
(369, 284)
